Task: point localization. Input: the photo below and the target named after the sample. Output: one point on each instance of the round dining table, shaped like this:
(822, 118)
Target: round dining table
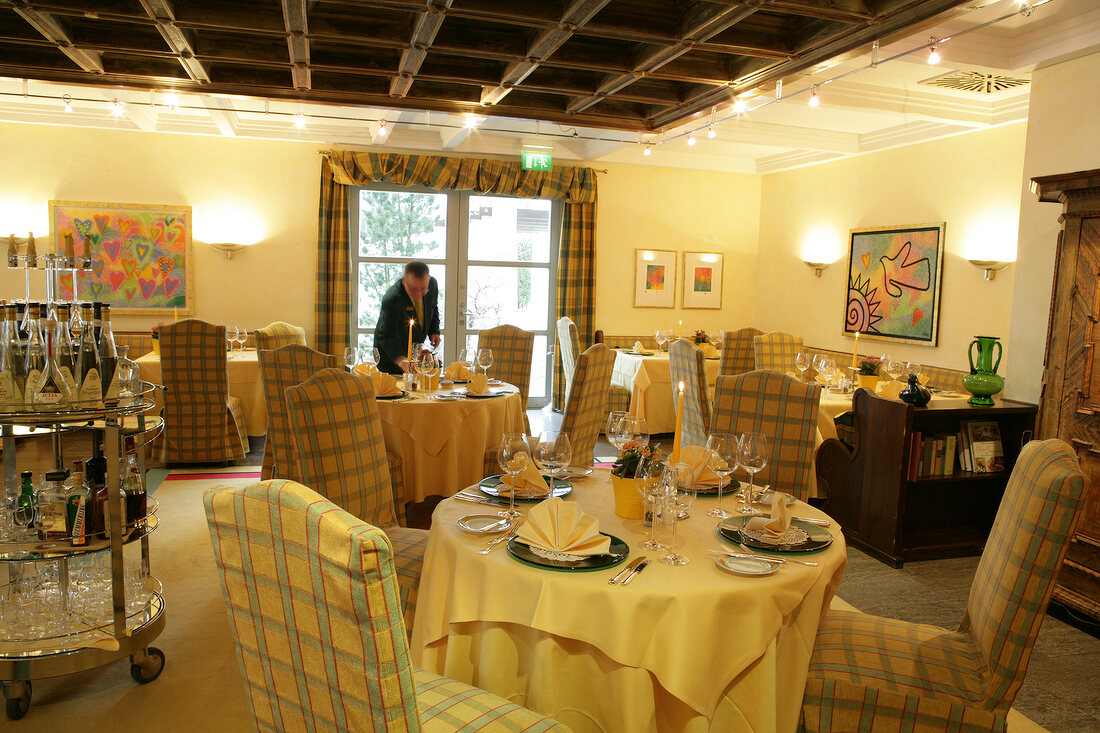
(686, 648)
(649, 380)
(442, 439)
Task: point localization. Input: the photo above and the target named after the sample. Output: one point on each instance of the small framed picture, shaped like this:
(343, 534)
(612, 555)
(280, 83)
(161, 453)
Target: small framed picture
(654, 278)
(702, 286)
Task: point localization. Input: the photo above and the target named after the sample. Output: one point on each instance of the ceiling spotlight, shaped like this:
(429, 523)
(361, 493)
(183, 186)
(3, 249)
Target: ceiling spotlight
(116, 108)
(647, 150)
(171, 100)
(934, 52)
(68, 103)
(739, 106)
(710, 132)
(382, 129)
(691, 140)
(472, 120)
(300, 121)
(814, 101)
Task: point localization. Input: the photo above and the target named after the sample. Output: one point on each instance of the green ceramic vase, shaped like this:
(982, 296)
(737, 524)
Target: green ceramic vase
(983, 382)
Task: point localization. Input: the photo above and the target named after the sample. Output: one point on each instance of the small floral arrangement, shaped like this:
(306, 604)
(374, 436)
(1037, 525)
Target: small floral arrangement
(869, 365)
(632, 455)
(700, 337)
(155, 331)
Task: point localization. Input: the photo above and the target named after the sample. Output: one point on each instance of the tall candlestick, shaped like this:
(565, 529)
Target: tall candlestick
(681, 334)
(679, 424)
(409, 351)
(855, 350)
(175, 314)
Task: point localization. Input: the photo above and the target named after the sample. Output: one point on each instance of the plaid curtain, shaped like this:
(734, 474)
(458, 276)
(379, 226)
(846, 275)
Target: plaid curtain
(576, 261)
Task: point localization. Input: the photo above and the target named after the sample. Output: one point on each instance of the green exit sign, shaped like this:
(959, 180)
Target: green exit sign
(536, 161)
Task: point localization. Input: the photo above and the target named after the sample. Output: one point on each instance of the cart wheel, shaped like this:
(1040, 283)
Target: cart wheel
(17, 707)
(150, 669)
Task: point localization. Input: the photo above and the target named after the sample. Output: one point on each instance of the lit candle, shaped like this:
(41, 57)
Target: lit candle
(855, 350)
(409, 351)
(175, 314)
(679, 423)
(681, 330)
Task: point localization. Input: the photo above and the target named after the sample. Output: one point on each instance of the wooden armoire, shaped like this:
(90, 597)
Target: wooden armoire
(1070, 404)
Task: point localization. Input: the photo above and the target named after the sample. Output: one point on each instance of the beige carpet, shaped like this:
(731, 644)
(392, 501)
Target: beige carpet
(200, 688)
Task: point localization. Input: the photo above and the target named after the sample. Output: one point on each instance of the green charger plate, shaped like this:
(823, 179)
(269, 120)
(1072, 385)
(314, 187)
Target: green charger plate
(819, 537)
(618, 552)
(489, 486)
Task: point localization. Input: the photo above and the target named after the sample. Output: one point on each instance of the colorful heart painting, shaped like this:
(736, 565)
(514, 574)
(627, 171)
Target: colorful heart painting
(101, 222)
(147, 287)
(170, 285)
(116, 278)
(112, 248)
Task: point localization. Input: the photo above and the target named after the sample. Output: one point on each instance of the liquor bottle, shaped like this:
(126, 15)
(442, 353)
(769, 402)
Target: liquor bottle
(52, 391)
(32, 251)
(69, 251)
(34, 357)
(76, 506)
(95, 476)
(52, 507)
(133, 486)
(108, 357)
(90, 390)
(21, 320)
(25, 502)
(13, 252)
(97, 309)
(15, 344)
(64, 351)
(10, 399)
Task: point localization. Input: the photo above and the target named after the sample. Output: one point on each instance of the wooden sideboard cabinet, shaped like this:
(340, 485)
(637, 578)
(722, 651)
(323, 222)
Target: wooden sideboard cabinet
(895, 518)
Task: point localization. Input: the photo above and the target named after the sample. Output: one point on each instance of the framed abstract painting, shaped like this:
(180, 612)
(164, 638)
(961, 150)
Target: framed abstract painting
(141, 255)
(702, 287)
(654, 278)
(894, 280)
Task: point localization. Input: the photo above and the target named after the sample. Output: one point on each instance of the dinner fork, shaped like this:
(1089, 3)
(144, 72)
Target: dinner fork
(807, 563)
(503, 538)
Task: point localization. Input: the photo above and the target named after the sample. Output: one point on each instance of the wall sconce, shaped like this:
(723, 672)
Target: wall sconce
(990, 267)
(228, 247)
(817, 267)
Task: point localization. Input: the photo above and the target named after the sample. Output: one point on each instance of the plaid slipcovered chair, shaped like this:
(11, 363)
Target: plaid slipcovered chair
(738, 351)
(568, 346)
(686, 364)
(776, 350)
(784, 409)
(586, 403)
(312, 599)
(202, 423)
(339, 450)
(278, 333)
(513, 349)
(870, 673)
(280, 368)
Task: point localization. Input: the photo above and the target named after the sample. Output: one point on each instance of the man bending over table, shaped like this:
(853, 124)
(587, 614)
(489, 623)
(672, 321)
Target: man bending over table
(412, 298)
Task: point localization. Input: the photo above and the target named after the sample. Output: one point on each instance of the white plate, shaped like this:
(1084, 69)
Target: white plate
(765, 497)
(477, 524)
(745, 565)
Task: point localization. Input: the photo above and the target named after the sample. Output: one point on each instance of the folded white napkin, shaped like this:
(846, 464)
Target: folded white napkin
(889, 389)
(775, 526)
(457, 370)
(638, 347)
(478, 384)
(561, 526)
(364, 369)
(384, 384)
(708, 350)
(695, 456)
(529, 484)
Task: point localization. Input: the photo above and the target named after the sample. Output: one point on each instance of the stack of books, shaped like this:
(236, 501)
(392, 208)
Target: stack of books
(976, 448)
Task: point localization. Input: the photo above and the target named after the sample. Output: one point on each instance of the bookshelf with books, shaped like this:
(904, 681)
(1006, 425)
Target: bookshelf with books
(898, 492)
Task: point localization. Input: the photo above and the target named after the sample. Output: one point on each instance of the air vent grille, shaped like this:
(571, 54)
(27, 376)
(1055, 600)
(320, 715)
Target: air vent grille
(976, 82)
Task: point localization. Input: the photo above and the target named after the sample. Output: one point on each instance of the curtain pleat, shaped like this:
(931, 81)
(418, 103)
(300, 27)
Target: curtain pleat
(576, 282)
(333, 310)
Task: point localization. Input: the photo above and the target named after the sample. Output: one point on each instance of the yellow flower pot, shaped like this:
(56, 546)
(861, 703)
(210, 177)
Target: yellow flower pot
(867, 381)
(628, 502)
(156, 346)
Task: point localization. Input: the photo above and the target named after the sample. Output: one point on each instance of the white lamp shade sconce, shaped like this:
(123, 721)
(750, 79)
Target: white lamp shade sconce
(991, 267)
(228, 247)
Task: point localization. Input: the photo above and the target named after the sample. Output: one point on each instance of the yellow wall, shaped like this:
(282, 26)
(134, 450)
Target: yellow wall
(642, 207)
(1061, 138)
(273, 184)
(971, 182)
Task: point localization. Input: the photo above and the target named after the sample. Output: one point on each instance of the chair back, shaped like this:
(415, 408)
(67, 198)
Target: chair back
(568, 346)
(1015, 577)
(195, 374)
(738, 351)
(586, 404)
(313, 601)
(278, 333)
(776, 350)
(280, 368)
(785, 410)
(686, 364)
(338, 445)
(513, 349)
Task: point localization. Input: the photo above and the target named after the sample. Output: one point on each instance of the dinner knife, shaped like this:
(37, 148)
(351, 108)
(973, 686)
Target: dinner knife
(641, 566)
(629, 566)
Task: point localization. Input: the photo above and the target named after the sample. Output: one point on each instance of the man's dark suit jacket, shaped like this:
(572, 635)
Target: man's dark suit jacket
(391, 333)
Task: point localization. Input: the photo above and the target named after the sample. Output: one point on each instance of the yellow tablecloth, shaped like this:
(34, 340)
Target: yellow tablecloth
(244, 383)
(687, 648)
(442, 445)
(650, 383)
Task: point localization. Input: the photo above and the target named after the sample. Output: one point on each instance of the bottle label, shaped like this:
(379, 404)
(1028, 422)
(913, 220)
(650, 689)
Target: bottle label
(34, 379)
(7, 391)
(51, 520)
(77, 509)
(90, 393)
(67, 377)
(111, 395)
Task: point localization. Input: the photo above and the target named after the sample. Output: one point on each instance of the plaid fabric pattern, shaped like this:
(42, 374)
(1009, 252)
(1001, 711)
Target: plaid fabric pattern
(280, 368)
(739, 351)
(687, 365)
(334, 299)
(586, 408)
(200, 425)
(140, 342)
(874, 674)
(448, 705)
(776, 350)
(618, 397)
(627, 342)
(784, 409)
(279, 333)
(409, 545)
(576, 288)
(513, 349)
(569, 347)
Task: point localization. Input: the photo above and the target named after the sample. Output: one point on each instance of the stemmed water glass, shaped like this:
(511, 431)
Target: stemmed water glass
(826, 371)
(242, 337)
(753, 454)
(513, 455)
(893, 368)
(802, 363)
(722, 460)
(553, 451)
(913, 367)
(425, 365)
(611, 430)
(230, 337)
(349, 357)
(633, 428)
(679, 497)
(649, 482)
(485, 360)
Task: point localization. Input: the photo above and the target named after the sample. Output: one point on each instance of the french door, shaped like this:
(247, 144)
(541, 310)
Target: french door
(494, 257)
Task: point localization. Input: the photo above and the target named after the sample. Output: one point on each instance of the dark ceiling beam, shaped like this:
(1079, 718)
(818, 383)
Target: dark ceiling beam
(297, 42)
(160, 11)
(857, 14)
(699, 26)
(544, 45)
(427, 25)
(53, 32)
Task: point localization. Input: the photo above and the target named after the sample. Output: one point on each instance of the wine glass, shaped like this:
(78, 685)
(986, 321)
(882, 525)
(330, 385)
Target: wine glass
(230, 337)
(679, 497)
(912, 367)
(377, 356)
(893, 368)
(425, 365)
(753, 454)
(722, 460)
(802, 362)
(611, 430)
(826, 370)
(513, 456)
(633, 428)
(648, 480)
(242, 337)
(485, 360)
(349, 357)
(553, 451)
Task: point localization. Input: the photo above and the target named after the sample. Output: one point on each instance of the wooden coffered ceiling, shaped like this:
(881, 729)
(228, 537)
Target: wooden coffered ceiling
(624, 64)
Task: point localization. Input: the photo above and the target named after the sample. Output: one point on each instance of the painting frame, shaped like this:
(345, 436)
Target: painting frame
(893, 288)
(699, 291)
(654, 278)
(142, 258)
